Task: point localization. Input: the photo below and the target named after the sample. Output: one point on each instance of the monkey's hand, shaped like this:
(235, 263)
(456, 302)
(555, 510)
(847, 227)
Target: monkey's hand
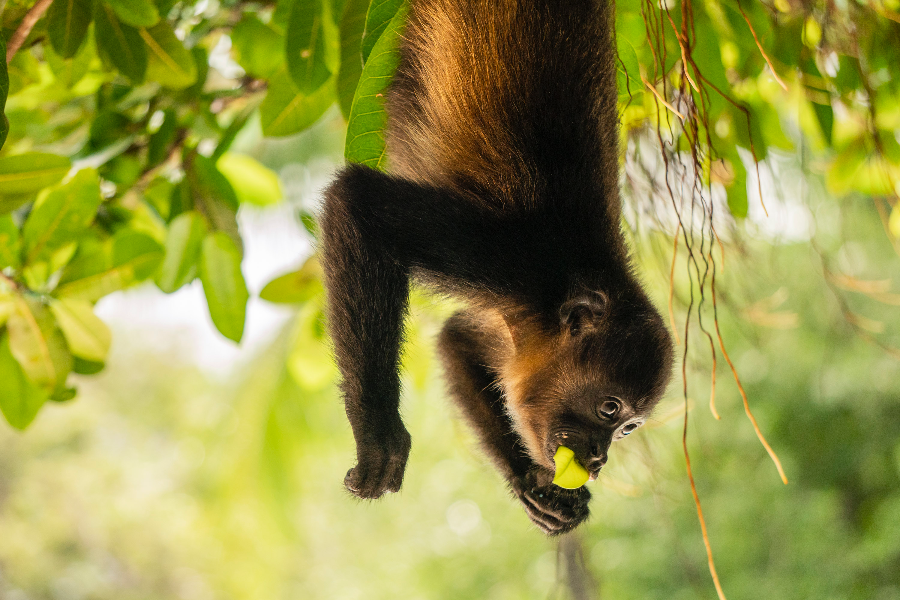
(380, 463)
(553, 509)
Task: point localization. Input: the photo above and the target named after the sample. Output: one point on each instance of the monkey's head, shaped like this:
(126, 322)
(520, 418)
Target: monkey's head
(591, 378)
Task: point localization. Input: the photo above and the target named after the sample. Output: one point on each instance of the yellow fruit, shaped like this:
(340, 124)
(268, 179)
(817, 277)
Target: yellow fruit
(569, 474)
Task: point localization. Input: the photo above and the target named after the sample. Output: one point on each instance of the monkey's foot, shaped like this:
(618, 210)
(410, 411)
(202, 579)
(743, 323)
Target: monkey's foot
(380, 466)
(553, 509)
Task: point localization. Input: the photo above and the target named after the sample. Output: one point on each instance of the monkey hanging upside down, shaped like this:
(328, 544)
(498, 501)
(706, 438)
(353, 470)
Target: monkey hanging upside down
(503, 191)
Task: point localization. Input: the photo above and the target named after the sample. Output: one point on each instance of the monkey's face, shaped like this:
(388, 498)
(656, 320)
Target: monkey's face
(594, 381)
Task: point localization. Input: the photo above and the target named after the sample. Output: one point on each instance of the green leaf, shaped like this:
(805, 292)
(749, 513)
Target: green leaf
(748, 131)
(223, 284)
(24, 70)
(285, 111)
(87, 336)
(234, 128)
(64, 394)
(158, 195)
(10, 203)
(139, 13)
(201, 60)
(10, 243)
(137, 251)
(4, 74)
(160, 144)
(707, 55)
(629, 69)
(252, 182)
(378, 18)
(365, 131)
(297, 287)
(309, 223)
(38, 345)
(7, 306)
(69, 71)
(165, 6)
(86, 367)
(121, 43)
(29, 173)
(825, 116)
(67, 25)
(108, 128)
(183, 245)
(848, 78)
(170, 63)
(100, 269)
(305, 45)
(4, 91)
(213, 197)
(92, 256)
(353, 23)
(60, 216)
(20, 399)
(737, 192)
(259, 48)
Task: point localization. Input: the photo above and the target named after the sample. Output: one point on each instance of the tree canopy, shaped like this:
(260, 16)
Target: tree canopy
(118, 122)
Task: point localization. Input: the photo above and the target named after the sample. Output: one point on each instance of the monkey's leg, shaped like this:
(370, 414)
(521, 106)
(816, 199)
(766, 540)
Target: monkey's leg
(473, 387)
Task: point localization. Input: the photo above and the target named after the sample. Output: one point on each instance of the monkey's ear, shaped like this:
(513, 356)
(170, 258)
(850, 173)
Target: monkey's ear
(583, 312)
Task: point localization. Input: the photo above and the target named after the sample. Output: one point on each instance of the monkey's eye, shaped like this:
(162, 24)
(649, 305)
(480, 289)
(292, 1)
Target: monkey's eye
(629, 428)
(609, 409)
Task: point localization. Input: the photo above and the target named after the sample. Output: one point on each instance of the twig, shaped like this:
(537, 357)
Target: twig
(687, 459)
(663, 100)
(761, 51)
(747, 410)
(31, 17)
(672, 287)
(684, 52)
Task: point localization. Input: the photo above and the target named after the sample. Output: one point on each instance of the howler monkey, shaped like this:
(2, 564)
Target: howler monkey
(502, 190)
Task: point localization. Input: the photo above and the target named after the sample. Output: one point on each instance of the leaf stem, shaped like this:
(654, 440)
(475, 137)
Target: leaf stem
(31, 17)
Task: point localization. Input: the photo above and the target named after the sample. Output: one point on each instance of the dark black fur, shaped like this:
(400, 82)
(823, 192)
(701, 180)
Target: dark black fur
(503, 190)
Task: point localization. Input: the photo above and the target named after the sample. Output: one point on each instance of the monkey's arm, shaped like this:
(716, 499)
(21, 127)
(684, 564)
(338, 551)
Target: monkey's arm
(374, 230)
(367, 297)
(553, 509)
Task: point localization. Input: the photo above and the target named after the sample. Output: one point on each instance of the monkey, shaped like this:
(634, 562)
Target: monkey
(502, 190)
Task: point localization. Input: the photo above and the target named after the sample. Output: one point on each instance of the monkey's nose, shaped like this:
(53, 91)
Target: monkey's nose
(596, 453)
